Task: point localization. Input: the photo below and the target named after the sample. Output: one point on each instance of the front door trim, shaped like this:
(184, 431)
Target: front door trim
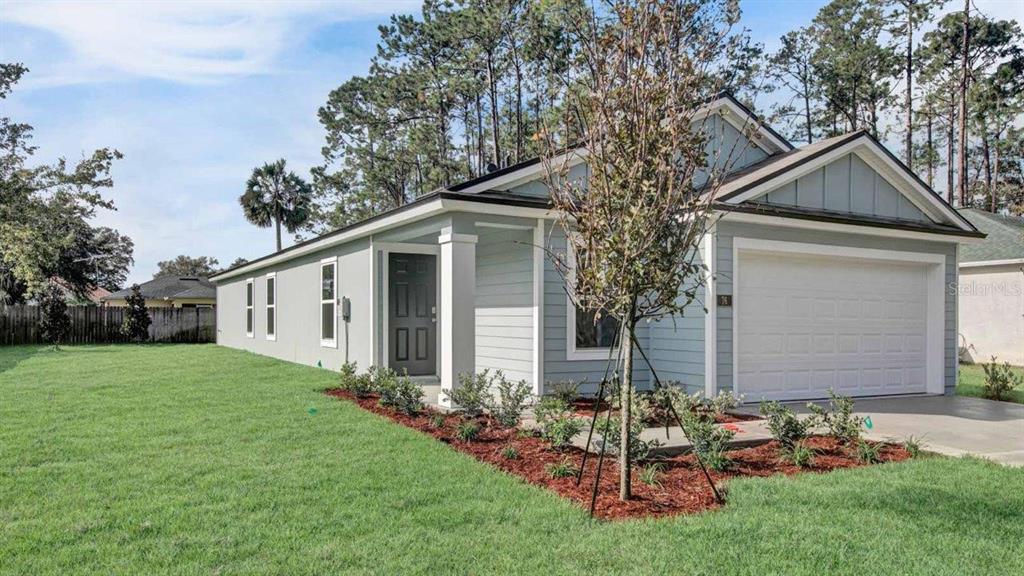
(383, 251)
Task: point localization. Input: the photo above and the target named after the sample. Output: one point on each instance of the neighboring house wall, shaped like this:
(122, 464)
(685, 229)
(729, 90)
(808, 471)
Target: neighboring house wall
(847, 185)
(727, 231)
(155, 303)
(504, 302)
(298, 309)
(992, 312)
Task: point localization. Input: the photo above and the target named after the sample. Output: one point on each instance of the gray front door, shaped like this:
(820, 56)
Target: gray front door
(412, 307)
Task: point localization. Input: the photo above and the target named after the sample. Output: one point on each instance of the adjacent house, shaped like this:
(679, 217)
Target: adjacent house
(992, 289)
(828, 268)
(170, 292)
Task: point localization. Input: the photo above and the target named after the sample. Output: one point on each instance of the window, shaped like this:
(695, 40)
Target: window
(589, 337)
(328, 300)
(248, 308)
(271, 306)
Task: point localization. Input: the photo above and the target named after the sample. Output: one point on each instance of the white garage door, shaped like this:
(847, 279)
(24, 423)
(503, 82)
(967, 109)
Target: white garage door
(809, 323)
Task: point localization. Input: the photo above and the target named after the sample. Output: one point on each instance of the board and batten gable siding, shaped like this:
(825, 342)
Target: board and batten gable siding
(504, 302)
(727, 231)
(677, 343)
(557, 367)
(298, 309)
(849, 186)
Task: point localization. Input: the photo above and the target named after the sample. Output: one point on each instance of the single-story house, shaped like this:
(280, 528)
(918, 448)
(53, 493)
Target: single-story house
(828, 267)
(992, 289)
(171, 292)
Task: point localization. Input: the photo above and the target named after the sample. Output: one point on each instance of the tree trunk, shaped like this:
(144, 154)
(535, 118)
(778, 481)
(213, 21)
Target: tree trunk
(995, 176)
(931, 153)
(626, 397)
(481, 163)
(807, 115)
(908, 98)
(951, 186)
(492, 89)
(277, 225)
(961, 159)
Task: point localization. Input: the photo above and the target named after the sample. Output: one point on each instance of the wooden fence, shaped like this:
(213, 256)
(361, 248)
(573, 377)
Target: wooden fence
(100, 324)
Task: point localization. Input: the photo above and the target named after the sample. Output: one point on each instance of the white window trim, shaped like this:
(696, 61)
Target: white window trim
(571, 352)
(333, 341)
(250, 308)
(271, 276)
(935, 352)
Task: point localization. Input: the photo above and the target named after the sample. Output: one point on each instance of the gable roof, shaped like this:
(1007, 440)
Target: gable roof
(171, 288)
(775, 171)
(1005, 239)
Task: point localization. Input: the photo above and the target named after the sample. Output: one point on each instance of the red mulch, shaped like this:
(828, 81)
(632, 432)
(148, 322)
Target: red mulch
(683, 489)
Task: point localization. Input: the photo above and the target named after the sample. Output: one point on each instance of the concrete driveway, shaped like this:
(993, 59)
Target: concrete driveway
(951, 425)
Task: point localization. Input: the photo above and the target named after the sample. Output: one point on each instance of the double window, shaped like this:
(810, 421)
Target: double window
(328, 302)
(249, 299)
(591, 333)
(271, 306)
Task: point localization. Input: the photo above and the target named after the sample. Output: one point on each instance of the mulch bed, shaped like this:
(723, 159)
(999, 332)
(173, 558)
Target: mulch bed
(682, 489)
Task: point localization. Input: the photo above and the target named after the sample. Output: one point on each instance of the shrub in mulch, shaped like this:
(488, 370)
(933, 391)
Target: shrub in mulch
(680, 489)
(584, 408)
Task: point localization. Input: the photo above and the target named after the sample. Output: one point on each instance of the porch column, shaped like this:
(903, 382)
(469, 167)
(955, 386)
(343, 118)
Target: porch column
(457, 309)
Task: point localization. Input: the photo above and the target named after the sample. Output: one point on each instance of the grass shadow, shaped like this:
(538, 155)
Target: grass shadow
(11, 356)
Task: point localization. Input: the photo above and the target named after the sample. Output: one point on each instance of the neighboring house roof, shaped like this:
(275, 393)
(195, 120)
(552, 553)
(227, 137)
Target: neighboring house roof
(171, 288)
(1005, 237)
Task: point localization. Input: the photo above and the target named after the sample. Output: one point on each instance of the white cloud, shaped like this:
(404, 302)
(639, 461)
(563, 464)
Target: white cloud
(193, 42)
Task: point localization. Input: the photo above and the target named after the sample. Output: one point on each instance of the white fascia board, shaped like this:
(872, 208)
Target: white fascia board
(431, 208)
(763, 219)
(983, 263)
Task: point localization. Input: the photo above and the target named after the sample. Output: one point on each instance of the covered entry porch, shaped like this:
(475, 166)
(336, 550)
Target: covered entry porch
(459, 293)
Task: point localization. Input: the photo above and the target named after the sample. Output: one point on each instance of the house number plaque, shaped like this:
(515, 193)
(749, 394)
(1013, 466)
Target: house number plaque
(725, 300)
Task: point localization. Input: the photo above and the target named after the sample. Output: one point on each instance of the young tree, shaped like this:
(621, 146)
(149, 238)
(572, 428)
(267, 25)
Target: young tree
(647, 70)
(184, 265)
(135, 326)
(274, 196)
(54, 324)
(792, 68)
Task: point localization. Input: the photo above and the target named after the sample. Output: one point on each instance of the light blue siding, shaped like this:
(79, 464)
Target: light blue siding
(729, 230)
(847, 185)
(677, 343)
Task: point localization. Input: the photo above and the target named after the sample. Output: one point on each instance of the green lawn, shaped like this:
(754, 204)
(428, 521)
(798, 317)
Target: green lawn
(204, 460)
(972, 380)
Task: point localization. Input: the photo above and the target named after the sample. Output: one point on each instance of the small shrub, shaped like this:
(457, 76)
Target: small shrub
(566, 391)
(135, 326)
(651, 474)
(560, 431)
(473, 393)
(563, 469)
(467, 431)
(54, 323)
(709, 440)
(510, 453)
(512, 396)
(1000, 380)
(611, 432)
(359, 385)
(868, 453)
(913, 446)
(437, 420)
(800, 454)
(839, 417)
(724, 402)
(400, 393)
(785, 426)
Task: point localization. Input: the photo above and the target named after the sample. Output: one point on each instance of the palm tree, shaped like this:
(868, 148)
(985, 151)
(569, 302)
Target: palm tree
(275, 196)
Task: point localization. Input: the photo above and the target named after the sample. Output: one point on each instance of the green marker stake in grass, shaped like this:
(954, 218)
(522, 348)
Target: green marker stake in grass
(868, 423)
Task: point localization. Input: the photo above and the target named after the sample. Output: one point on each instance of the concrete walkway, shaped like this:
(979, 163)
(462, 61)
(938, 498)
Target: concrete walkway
(951, 425)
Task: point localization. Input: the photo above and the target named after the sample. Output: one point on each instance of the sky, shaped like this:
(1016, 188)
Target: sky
(196, 94)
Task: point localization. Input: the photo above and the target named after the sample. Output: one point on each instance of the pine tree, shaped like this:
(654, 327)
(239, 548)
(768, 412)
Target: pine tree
(135, 326)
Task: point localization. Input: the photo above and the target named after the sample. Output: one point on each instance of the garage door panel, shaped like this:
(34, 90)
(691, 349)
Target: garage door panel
(806, 324)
